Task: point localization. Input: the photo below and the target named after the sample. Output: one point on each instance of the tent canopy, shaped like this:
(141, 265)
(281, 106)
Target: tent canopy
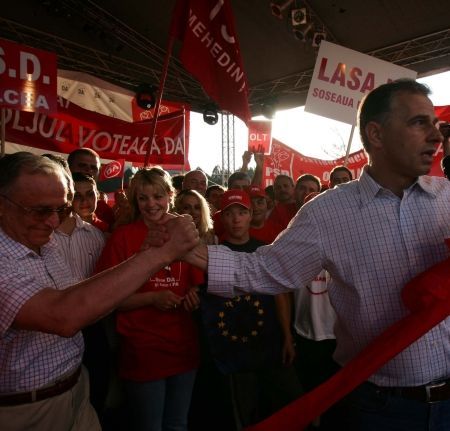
(124, 42)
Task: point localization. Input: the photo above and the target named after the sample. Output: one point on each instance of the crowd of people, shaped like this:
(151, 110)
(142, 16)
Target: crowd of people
(193, 306)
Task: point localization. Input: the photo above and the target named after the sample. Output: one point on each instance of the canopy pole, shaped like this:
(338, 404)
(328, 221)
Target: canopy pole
(350, 139)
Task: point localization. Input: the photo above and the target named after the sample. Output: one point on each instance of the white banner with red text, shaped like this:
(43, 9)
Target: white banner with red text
(342, 77)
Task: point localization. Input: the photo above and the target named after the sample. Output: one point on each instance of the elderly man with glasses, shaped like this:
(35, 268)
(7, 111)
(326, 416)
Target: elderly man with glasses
(42, 308)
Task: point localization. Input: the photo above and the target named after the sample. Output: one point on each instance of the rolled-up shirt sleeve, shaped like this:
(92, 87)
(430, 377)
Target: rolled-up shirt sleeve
(292, 261)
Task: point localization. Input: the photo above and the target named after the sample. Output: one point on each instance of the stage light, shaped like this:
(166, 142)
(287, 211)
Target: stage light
(317, 38)
(301, 32)
(210, 115)
(298, 16)
(279, 7)
(146, 96)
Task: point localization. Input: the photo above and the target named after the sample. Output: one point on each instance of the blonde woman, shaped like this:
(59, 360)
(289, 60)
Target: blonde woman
(159, 350)
(193, 203)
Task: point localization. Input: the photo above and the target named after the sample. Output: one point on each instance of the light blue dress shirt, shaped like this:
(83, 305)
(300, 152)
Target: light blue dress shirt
(372, 243)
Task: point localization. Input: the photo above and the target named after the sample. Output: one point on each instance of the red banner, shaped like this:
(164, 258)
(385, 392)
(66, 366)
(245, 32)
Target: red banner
(211, 52)
(27, 78)
(443, 112)
(285, 160)
(72, 127)
(260, 136)
(166, 107)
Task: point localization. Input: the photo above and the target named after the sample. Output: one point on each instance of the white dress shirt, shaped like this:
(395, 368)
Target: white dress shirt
(82, 248)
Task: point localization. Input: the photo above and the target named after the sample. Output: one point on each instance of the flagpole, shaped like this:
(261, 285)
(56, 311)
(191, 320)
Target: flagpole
(159, 97)
(350, 139)
(123, 176)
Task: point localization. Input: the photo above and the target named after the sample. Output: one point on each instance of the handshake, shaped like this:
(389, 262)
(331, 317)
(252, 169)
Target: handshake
(178, 238)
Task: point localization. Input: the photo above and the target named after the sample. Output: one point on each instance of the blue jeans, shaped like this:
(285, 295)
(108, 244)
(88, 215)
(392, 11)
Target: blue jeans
(367, 409)
(160, 405)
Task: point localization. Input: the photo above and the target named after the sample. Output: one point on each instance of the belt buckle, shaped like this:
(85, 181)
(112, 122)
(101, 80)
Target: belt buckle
(429, 388)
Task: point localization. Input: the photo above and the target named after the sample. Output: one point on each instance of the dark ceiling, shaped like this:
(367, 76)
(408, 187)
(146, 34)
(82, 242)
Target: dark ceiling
(124, 41)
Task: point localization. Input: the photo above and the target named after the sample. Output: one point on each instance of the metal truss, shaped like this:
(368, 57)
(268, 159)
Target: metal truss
(111, 66)
(407, 54)
(228, 146)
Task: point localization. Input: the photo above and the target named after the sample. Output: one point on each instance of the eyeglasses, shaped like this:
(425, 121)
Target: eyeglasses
(40, 213)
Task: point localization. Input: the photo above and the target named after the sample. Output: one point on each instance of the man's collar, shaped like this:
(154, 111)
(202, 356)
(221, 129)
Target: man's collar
(370, 188)
(18, 250)
(426, 183)
(80, 223)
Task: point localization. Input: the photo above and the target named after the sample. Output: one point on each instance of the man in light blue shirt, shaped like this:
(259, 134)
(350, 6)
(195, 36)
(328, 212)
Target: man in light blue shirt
(372, 235)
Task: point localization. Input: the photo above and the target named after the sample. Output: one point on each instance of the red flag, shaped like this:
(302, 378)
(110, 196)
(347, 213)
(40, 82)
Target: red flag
(114, 169)
(211, 53)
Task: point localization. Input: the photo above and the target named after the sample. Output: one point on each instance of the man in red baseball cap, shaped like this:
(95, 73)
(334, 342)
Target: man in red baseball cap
(262, 228)
(255, 353)
(236, 214)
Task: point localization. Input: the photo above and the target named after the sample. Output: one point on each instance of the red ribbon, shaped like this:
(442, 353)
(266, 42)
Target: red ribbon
(427, 296)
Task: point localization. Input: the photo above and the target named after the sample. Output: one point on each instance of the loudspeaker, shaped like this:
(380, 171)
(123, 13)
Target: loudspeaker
(278, 7)
(318, 37)
(298, 16)
(210, 115)
(145, 96)
(302, 32)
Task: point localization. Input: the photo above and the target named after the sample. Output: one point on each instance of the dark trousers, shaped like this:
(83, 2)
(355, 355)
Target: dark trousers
(368, 409)
(314, 361)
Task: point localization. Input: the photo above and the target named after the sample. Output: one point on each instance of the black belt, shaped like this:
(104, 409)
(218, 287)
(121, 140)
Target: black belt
(58, 388)
(430, 393)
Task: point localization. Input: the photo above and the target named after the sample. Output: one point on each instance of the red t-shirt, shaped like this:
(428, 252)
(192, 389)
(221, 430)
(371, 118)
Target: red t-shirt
(154, 344)
(283, 213)
(267, 233)
(105, 212)
(100, 224)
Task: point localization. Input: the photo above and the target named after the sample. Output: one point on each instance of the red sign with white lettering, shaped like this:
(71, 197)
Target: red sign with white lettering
(260, 136)
(72, 127)
(27, 78)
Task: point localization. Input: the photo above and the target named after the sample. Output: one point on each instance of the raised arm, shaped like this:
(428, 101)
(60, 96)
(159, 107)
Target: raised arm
(65, 312)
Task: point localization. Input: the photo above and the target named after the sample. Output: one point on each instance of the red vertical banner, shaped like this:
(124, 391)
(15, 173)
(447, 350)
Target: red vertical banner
(260, 136)
(27, 78)
(211, 52)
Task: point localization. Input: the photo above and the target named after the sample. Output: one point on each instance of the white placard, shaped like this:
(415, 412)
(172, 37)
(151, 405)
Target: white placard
(341, 78)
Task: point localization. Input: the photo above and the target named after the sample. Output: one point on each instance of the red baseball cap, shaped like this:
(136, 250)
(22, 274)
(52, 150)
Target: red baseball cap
(256, 192)
(235, 196)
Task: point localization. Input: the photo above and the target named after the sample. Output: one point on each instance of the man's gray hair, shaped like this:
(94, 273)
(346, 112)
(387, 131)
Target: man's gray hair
(22, 162)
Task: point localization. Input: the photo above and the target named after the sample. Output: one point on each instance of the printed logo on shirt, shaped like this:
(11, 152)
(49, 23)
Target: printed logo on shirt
(168, 277)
